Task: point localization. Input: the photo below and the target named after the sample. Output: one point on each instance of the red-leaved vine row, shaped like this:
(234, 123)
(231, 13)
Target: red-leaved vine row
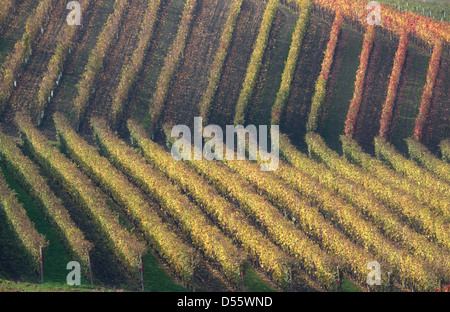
(427, 95)
(353, 110)
(399, 60)
(321, 83)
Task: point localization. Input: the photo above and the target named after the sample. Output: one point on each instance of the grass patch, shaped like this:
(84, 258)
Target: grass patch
(254, 283)
(156, 279)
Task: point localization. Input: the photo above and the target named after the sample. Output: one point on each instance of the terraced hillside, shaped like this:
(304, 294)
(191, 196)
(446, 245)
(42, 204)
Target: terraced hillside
(87, 175)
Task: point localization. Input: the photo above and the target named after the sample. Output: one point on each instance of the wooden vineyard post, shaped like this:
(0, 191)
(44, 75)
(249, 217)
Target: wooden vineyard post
(291, 282)
(389, 282)
(192, 266)
(41, 260)
(242, 278)
(339, 280)
(90, 269)
(142, 273)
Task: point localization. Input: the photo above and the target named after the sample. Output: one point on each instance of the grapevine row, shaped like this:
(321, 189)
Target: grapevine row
(427, 29)
(130, 70)
(22, 50)
(171, 62)
(388, 108)
(255, 62)
(28, 175)
(127, 248)
(434, 187)
(321, 82)
(395, 192)
(54, 68)
(207, 237)
(365, 201)
(353, 110)
(18, 219)
(420, 154)
(96, 59)
(418, 193)
(312, 259)
(177, 253)
(346, 216)
(312, 222)
(427, 95)
(219, 60)
(414, 213)
(232, 220)
(291, 62)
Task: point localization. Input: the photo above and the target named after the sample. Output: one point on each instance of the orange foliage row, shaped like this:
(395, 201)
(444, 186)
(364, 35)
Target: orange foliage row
(427, 95)
(399, 60)
(321, 83)
(55, 66)
(427, 29)
(359, 83)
